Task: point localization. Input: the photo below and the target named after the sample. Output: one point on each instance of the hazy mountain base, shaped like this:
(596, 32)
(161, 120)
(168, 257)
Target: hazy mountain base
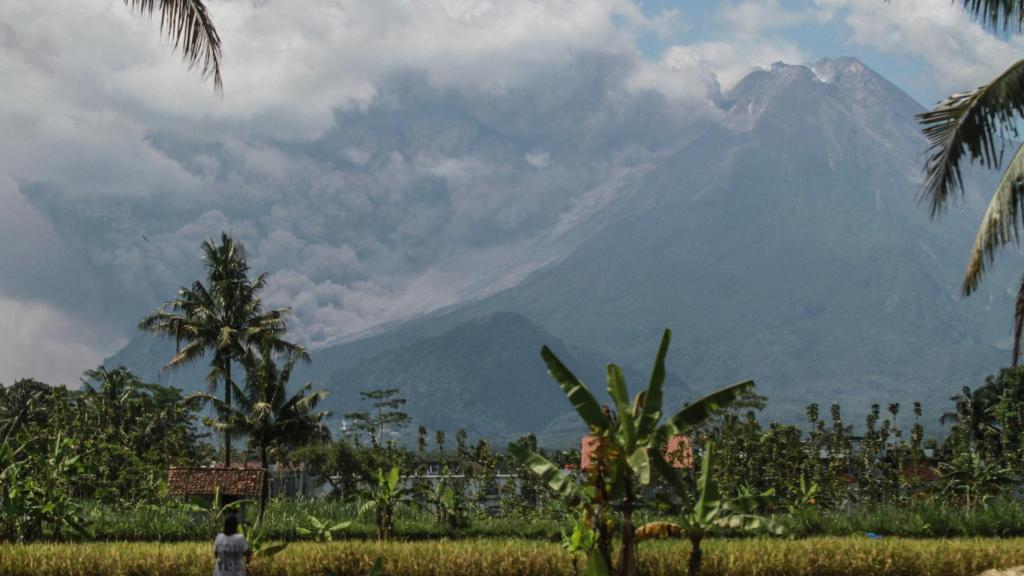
(485, 375)
(783, 244)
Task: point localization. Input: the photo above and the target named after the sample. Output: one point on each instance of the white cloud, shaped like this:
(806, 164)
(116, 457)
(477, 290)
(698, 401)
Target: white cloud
(960, 52)
(41, 342)
(289, 64)
(754, 17)
(694, 72)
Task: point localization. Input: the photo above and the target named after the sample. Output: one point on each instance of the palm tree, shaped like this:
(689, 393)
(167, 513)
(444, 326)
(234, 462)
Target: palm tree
(265, 412)
(224, 317)
(973, 412)
(188, 25)
(976, 126)
(115, 392)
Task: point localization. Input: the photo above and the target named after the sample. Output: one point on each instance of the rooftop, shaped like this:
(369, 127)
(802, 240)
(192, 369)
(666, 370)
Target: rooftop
(206, 481)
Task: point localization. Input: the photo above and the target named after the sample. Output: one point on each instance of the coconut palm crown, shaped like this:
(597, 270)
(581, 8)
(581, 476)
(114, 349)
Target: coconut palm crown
(265, 413)
(223, 318)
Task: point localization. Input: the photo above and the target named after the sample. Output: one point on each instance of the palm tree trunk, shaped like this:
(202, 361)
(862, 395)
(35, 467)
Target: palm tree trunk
(227, 401)
(695, 556)
(265, 489)
(627, 555)
(1018, 323)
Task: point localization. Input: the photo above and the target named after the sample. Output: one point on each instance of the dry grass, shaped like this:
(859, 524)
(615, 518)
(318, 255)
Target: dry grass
(761, 557)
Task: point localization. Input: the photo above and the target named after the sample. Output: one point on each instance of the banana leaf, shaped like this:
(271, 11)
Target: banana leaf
(578, 394)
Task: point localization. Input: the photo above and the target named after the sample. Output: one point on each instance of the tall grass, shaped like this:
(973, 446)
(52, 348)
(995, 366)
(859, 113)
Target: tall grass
(498, 557)
(922, 519)
(170, 523)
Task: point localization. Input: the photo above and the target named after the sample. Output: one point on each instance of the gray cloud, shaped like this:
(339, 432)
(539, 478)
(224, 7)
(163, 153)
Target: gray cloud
(379, 158)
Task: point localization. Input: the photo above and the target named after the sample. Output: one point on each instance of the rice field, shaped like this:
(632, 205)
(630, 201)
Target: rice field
(765, 557)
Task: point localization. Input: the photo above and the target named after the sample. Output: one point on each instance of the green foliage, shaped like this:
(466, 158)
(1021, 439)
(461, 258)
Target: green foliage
(266, 414)
(449, 504)
(321, 531)
(112, 440)
(711, 510)
(383, 499)
(579, 543)
(258, 545)
(36, 491)
(131, 431)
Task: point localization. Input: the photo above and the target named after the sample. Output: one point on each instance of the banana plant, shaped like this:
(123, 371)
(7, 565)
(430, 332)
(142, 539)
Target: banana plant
(579, 543)
(630, 439)
(805, 495)
(213, 515)
(710, 511)
(383, 500)
(256, 538)
(321, 531)
(449, 504)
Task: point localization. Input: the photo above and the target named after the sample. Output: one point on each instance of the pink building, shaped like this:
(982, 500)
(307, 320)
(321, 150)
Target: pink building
(678, 451)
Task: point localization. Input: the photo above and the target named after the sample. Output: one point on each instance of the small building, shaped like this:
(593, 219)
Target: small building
(294, 481)
(678, 451)
(229, 483)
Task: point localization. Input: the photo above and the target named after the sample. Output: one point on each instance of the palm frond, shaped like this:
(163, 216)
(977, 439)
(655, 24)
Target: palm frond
(996, 15)
(1018, 323)
(1001, 223)
(971, 126)
(192, 351)
(187, 23)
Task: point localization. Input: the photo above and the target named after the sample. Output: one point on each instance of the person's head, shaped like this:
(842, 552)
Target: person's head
(231, 525)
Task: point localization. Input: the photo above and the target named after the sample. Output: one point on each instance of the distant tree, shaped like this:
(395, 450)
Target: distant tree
(977, 126)
(25, 403)
(972, 412)
(386, 413)
(223, 318)
(421, 441)
(187, 23)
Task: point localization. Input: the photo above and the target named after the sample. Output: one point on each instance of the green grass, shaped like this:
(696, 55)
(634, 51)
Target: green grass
(168, 523)
(923, 519)
(497, 557)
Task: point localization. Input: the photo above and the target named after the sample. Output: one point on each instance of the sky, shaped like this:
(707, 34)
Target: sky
(379, 158)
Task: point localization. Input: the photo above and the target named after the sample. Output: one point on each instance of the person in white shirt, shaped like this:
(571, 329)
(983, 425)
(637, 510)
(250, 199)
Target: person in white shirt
(231, 550)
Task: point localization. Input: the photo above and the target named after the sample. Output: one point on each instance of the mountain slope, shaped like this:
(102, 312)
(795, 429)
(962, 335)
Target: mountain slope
(787, 247)
(783, 243)
(486, 376)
